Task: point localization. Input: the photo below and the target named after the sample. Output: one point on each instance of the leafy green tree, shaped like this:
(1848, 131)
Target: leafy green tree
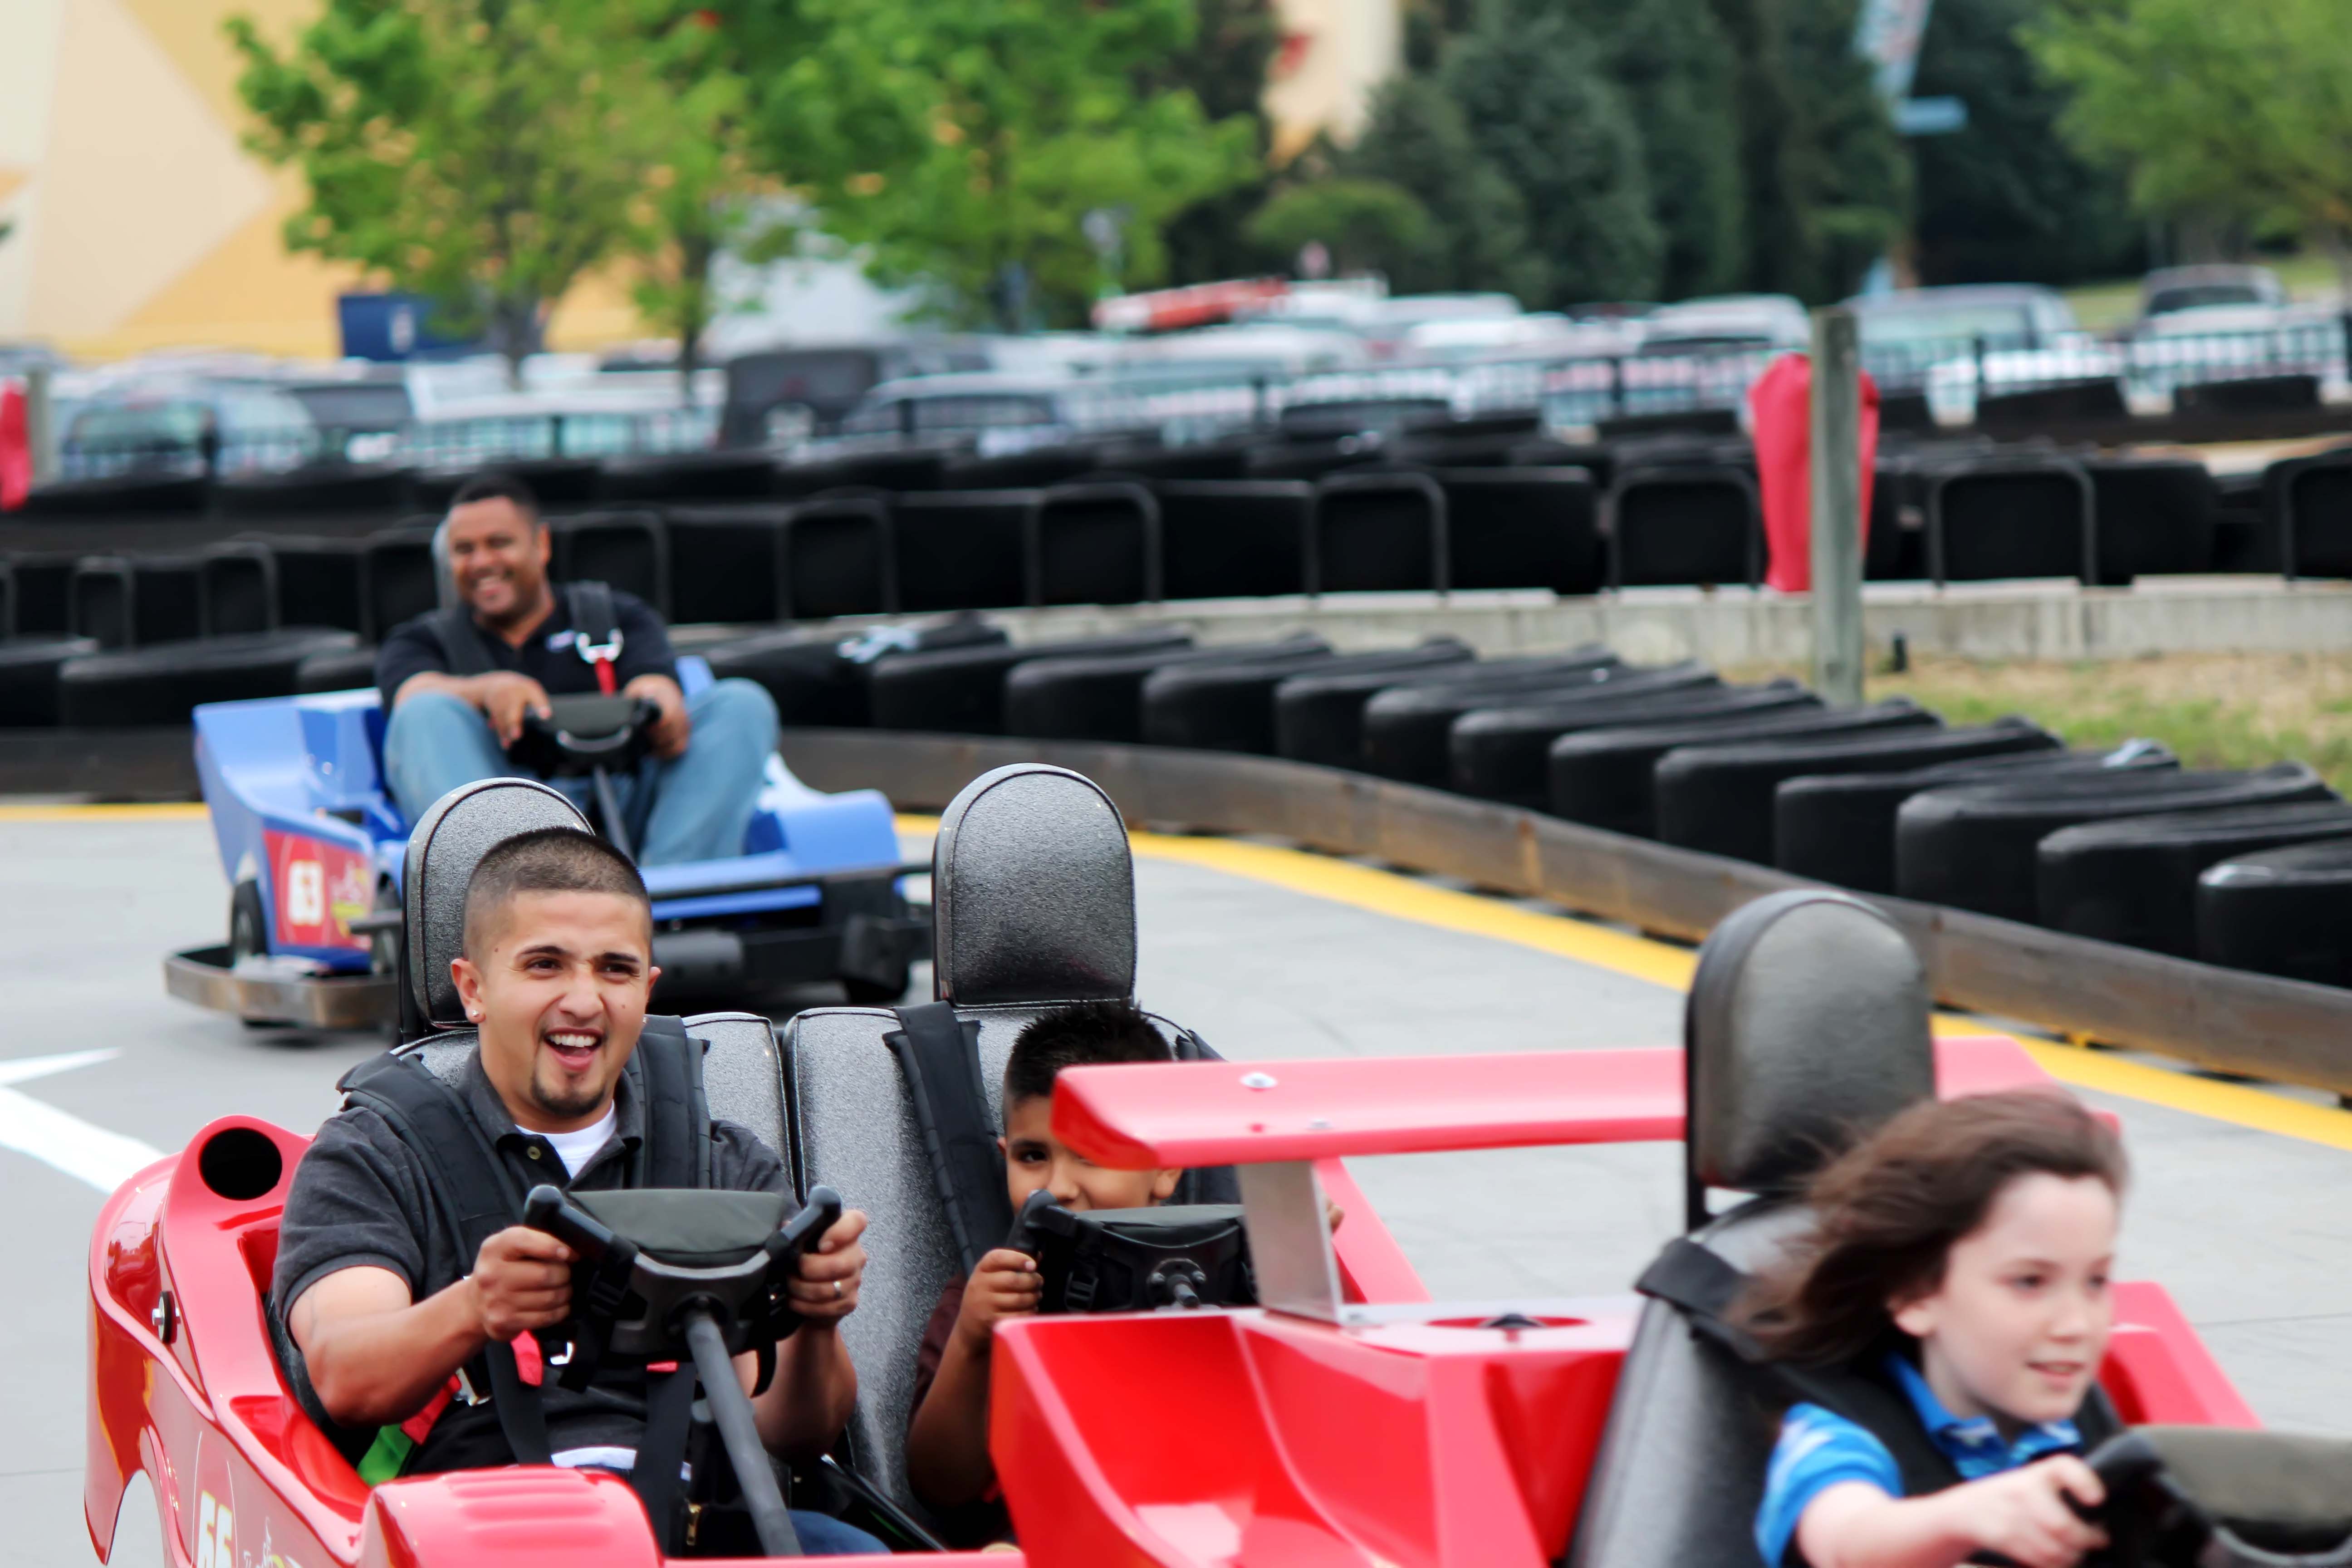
(1540, 110)
(483, 153)
(1849, 170)
(2240, 111)
(1035, 117)
(1225, 67)
(1418, 142)
(1367, 225)
(2006, 197)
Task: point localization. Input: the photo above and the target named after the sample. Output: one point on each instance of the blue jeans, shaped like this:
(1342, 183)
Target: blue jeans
(701, 802)
(822, 1535)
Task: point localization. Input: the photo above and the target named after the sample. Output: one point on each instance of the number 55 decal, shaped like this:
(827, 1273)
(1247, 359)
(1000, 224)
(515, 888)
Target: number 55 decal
(213, 1523)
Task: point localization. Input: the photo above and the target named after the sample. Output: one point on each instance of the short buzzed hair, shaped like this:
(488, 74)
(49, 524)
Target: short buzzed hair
(547, 860)
(1081, 1035)
(491, 484)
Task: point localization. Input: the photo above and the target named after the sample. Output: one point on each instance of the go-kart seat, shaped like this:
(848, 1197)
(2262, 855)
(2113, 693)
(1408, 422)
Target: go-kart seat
(742, 1077)
(1806, 1025)
(1032, 894)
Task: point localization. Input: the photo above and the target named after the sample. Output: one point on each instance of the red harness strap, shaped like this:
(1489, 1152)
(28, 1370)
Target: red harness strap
(601, 658)
(530, 1366)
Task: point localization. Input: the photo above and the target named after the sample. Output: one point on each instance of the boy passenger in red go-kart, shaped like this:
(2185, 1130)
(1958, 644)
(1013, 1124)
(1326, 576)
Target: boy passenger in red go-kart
(1955, 1288)
(459, 684)
(396, 1337)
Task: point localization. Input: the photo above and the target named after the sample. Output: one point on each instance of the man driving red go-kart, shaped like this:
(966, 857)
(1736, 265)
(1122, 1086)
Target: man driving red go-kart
(468, 690)
(409, 1302)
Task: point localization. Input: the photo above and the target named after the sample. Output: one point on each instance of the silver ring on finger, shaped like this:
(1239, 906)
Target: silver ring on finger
(837, 1291)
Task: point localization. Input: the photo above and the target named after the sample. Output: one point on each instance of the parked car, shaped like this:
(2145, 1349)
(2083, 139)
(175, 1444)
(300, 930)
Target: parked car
(222, 428)
(1973, 340)
(2168, 289)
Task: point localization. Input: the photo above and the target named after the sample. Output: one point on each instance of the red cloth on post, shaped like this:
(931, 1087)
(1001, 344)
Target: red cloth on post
(1781, 406)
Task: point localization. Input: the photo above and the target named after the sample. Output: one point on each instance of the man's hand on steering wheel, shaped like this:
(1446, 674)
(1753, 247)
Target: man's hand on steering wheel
(668, 735)
(508, 699)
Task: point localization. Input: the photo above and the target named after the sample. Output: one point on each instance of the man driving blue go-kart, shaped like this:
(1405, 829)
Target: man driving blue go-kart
(464, 688)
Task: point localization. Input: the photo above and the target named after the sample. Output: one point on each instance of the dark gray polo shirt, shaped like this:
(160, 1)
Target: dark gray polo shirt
(360, 1198)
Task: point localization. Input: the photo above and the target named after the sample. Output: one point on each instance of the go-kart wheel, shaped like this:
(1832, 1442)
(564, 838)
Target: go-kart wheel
(383, 951)
(248, 936)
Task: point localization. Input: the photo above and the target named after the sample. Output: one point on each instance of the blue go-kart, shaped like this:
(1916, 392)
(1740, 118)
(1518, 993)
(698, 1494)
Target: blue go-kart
(314, 846)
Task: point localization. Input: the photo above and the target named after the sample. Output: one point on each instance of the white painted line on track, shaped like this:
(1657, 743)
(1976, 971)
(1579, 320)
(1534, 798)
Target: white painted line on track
(59, 1139)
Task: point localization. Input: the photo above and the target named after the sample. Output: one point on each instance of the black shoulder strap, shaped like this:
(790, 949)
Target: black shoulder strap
(940, 1055)
(677, 1117)
(1203, 1183)
(461, 642)
(591, 604)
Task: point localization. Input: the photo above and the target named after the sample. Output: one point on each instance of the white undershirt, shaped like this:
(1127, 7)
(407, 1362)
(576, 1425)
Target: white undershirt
(576, 1148)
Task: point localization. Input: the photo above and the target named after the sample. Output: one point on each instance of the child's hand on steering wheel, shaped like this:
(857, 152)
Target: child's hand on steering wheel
(2024, 1514)
(669, 733)
(1005, 1285)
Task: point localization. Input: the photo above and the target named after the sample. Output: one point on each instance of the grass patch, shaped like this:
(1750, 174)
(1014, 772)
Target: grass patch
(2215, 710)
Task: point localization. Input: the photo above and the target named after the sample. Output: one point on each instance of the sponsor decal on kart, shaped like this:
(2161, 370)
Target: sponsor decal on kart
(322, 887)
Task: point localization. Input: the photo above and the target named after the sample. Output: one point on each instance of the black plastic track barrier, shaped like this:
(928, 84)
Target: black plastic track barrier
(963, 690)
(1319, 718)
(317, 580)
(2031, 413)
(7, 598)
(177, 491)
(2017, 517)
(1229, 707)
(1710, 423)
(1100, 697)
(1353, 415)
(236, 584)
(1685, 525)
(1312, 459)
(1523, 528)
(161, 685)
(2309, 502)
(688, 477)
(44, 590)
(397, 579)
(1971, 846)
(1511, 423)
(28, 677)
(1544, 452)
(1839, 827)
(101, 601)
(2155, 515)
(960, 549)
(2282, 911)
(1377, 532)
(1607, 776)
(821, 677)
(1202, 460)
(723, 563)
(1096, 542)
(1499, 753)
(168, 598)
(1407, 730)
(2248, 394)
(336, 670)
(316, 489)
(837, 556)
(1890, 550)
(561, 484)
(1718, 795)
(1031, 470)
(2134, 881)
(628, 550)
(1232, 540)
(918, 469)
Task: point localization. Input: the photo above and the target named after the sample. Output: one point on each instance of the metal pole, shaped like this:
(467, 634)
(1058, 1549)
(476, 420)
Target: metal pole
(1837, 506)
(40, 433)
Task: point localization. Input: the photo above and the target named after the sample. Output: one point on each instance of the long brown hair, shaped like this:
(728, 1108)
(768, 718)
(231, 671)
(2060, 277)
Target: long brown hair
(1888, 1211)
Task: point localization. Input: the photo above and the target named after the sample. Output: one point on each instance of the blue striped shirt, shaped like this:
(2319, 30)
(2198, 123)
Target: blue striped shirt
(1819, 1449)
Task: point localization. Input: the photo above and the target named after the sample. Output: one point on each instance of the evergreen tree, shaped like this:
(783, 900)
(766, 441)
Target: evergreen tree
(1539, 109)
(1418, 141)
(1225, 67)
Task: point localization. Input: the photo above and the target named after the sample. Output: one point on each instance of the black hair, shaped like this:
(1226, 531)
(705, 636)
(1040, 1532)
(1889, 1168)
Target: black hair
(548, 860)
(1083, 1034)
(492, 485)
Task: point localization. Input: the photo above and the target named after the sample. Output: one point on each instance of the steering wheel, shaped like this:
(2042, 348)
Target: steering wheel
(582, 734)
(2201, 1497)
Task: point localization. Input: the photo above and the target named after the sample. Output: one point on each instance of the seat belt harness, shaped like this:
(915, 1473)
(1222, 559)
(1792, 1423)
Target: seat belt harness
(939, 1055)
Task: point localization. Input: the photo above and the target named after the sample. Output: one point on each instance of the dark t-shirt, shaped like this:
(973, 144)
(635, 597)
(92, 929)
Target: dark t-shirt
(360, 1198)
(976, 1523)
(546, 654)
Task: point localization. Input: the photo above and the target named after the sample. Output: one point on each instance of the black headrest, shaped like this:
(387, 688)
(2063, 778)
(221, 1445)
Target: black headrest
(448, 842)
(1032, 891)
(1807, 1024)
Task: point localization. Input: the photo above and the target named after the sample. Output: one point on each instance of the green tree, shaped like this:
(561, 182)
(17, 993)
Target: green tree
(1418, 142)
(1226, 68)
(2006, 197)
(1541, 112)
(1368, 226)
(1034, 117)
(483, 153)
(2240, 111)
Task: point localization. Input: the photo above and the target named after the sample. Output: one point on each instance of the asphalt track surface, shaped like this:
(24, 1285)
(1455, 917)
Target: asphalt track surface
(2239, 1206)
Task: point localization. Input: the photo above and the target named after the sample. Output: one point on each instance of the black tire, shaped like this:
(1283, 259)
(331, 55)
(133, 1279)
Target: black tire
(248, 937)
(2286, 913)
(318, 487)
(28, 678)
(1971, 846)
(688, 477)
(962, 690)
(2308, 503)
(1095, 543)
(1313, 459)
(2005, 520)
(176, 491)
(102, 600)
(43, 591)
(1382, 532)
(960, 549)
(2154, 515)
(1029, 470)
(1720, 797)
(1500, 753)
(1101, 698)
(561, 484)
(317, 580)
(1680, 526)
(629, 550)
(1523, 528)
(1203, 460)
(821, 677)
(236, 584)
(398, 579)
(1319, 718)
(1407, 730)
(1839, 827)
(2134, 881)
(1228, 539)
(162, 685)
(836, 558)
(887, 471)
(1230, 707)
(723, 562)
